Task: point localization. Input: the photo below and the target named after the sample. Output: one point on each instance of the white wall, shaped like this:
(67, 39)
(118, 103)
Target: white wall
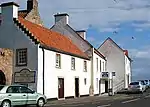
(97, 73)
(52, 74)
(115, 62)
(102, 86)
(127, 71)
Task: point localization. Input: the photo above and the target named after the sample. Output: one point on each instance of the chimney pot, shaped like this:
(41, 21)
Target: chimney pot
(82, 33)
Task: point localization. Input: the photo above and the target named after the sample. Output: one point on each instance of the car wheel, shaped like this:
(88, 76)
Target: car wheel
(40, 102)
(6, 103)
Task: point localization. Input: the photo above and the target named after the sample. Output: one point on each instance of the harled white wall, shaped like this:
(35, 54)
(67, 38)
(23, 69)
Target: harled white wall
(52, 74)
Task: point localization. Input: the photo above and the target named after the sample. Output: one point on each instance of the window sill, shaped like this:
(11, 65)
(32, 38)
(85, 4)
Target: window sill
(58, 67)
(20, 65)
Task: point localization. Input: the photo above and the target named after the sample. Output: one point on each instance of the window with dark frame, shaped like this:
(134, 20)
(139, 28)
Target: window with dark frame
(97, 63)
(85, 66)
(58, 61)
(103, 66)
(73, 63)
(21, 57)
(100, 65)
(85, 81)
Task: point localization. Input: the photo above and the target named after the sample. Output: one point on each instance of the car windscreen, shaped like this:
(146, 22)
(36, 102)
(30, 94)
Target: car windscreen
(134, 83)
(1, 86)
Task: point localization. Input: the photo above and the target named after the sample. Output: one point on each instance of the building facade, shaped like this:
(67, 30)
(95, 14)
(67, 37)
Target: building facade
(118, 64)
(79, 39)
(44, 60)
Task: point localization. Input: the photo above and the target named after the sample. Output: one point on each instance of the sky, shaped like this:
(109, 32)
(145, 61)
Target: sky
(127, 22)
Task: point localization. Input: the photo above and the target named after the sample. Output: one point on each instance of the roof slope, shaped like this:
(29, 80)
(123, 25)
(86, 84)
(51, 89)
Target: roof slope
(52, 39)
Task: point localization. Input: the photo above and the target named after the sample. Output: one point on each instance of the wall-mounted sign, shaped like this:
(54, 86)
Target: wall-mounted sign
(24, 76)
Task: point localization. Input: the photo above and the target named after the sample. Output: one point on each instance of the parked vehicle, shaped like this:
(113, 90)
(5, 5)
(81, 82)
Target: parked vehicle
(147, 83)
(136, 86)
(144, 83)
(12, 95)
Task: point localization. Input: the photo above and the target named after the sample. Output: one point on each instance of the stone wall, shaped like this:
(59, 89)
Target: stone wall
(6, 63)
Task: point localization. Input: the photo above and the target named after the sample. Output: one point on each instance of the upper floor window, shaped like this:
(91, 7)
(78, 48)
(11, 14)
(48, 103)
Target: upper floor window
(21, 57)
(73, 63)
(58, 60)
(100, 65)
(103, 66)
(97, 63)
(85, 81)
(85, 66)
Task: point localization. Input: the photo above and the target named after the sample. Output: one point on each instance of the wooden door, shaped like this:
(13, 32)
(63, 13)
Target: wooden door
(106, 86)
(61, 87)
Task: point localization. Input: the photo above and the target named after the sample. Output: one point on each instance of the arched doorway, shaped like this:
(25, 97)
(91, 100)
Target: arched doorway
(2, 78)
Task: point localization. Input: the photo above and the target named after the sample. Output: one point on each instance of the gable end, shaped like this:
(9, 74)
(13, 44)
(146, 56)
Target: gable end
(26, 31)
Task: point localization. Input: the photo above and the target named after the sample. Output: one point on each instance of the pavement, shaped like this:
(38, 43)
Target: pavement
(118, 100)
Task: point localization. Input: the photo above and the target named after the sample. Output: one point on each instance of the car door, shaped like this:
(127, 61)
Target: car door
(14, 95)
(31, 95)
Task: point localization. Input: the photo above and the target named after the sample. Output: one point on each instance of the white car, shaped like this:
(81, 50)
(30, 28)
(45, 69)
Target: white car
(136, 86)
(11, 95)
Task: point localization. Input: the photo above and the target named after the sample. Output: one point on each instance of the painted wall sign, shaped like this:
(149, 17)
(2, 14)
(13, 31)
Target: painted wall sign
(24, 76)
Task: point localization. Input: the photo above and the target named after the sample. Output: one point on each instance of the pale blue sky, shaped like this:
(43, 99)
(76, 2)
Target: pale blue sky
(129, 18)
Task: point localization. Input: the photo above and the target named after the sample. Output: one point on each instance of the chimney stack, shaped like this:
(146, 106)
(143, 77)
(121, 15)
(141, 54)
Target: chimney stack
(82, 33)
(61, 18)
(9, 11)
(32, 4)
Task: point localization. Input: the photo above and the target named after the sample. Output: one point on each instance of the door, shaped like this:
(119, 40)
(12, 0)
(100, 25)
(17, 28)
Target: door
(15, 96)
(100, 86)
(2, 78)
(76, 87)
(106, 86)
(61, 87)
(31, 95)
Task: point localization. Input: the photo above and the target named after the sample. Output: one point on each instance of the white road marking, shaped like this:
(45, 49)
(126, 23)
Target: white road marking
(130, 100)
(104, 105)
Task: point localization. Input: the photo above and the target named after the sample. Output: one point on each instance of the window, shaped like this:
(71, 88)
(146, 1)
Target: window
(85, 81)
(85, 66)
(21, 57)
(58, 60)
(13, 89)
(97, 63)
(100, 65)
(25, 90)
(73, 63)
(97, 83)
(103, 67)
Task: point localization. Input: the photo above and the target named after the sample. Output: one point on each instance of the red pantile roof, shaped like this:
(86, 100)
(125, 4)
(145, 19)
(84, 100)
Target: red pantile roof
(23, 14)
(52, 39)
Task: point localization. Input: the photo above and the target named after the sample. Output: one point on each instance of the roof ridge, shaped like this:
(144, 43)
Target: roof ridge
(50, 38)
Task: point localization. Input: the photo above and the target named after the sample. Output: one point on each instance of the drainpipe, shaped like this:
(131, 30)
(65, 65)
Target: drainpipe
(43, 71)
(92, 75)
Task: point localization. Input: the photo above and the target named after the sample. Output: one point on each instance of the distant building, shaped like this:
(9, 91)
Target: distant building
(118, 64)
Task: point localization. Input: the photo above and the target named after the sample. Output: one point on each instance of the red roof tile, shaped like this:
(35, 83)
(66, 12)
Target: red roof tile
(52, 39)
(22, 14)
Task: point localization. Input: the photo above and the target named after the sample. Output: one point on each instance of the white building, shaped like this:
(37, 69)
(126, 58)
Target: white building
(118, 64)
(79, 39)
(43, 59)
